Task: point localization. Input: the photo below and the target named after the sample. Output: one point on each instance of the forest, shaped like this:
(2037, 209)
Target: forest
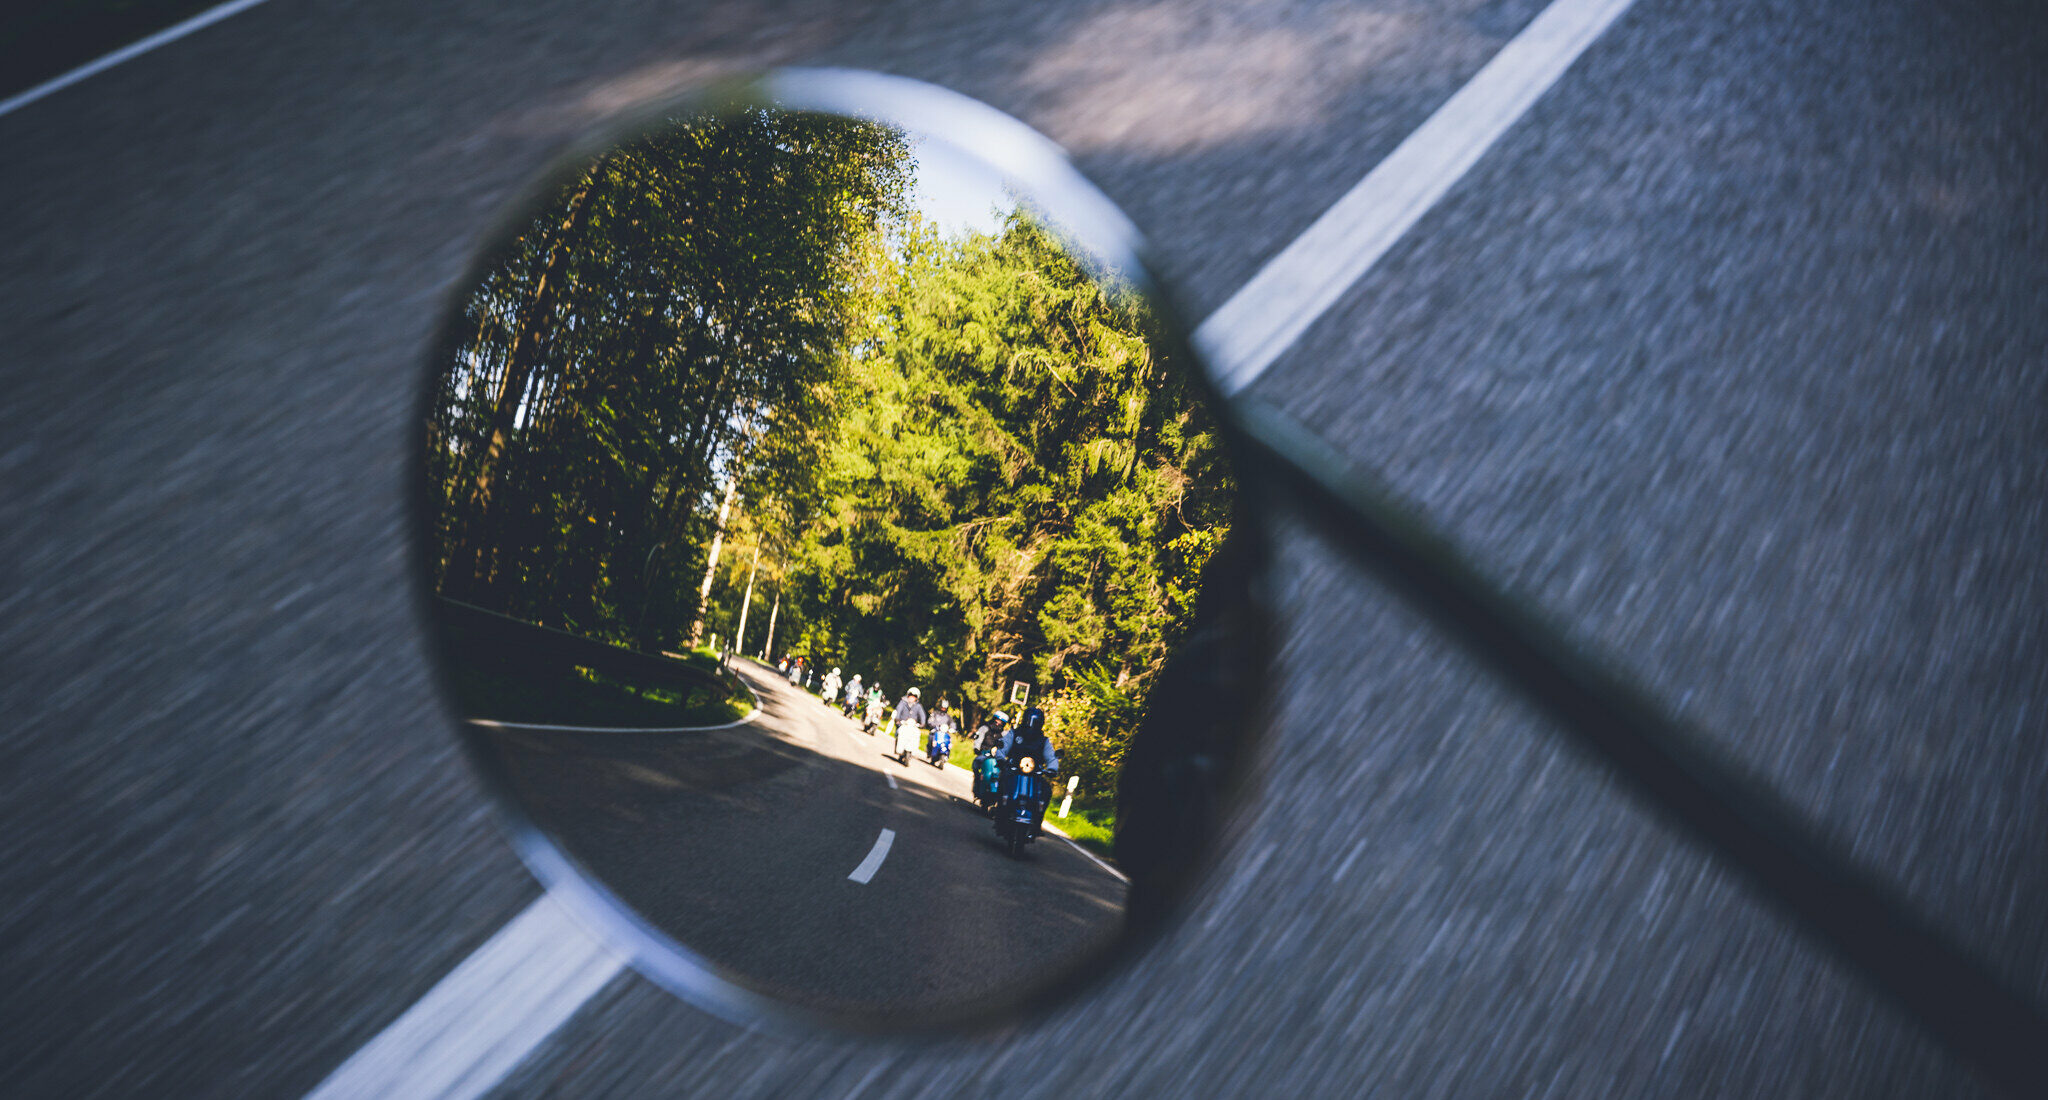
(730, 371)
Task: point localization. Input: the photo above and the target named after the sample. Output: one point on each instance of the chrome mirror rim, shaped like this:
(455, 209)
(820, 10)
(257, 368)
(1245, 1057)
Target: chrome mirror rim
(1085, 221)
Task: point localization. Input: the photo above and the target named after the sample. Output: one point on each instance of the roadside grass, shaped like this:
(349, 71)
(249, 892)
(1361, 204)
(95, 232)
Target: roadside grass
(587, 698)
(1091, 828)
(702, 656)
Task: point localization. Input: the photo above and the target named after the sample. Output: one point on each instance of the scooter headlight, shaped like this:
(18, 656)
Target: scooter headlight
(1027, 765)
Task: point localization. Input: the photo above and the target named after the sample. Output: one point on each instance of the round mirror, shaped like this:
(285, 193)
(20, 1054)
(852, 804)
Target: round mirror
(828, 539)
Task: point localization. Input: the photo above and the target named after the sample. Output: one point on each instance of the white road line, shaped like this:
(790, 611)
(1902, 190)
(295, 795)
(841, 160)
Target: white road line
(480, 1021)
(876, 855)
(1242, 338)
(1268, 314)
(1093, 858)
(892, 781)
(493, 723)
(129, 52)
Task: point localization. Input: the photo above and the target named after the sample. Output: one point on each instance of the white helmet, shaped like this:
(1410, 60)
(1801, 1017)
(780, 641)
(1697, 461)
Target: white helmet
(835, 670)
(913, 693)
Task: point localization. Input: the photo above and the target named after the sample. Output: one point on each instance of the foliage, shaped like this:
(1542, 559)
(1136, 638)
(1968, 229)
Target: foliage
(1018, 487)
(676, 303)
(1091, 829)
(951, 462)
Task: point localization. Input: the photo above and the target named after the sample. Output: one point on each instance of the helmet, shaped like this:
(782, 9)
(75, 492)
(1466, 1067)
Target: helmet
(1034, 719)
(835, 670)
(913, 693)
(1000, 716)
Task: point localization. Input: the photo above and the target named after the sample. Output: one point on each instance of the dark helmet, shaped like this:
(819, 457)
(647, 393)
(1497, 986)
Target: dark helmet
(1033, 721)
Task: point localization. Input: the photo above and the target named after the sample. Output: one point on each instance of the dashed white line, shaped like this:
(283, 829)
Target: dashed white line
(133, 50)
(892, 781)
(1241, 339)
(876, 855)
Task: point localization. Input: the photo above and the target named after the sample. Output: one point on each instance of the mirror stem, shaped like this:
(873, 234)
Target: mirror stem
(1997, 1031)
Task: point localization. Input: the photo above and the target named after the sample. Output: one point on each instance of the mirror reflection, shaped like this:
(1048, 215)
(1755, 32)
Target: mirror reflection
(808, 525)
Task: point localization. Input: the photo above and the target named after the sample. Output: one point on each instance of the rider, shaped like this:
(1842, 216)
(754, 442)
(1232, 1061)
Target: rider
(1028, 738)
(908, 709)
(987, 770)
(990, 732)
(851, 702)
(907, 720)
(942, 727)
(829, 687)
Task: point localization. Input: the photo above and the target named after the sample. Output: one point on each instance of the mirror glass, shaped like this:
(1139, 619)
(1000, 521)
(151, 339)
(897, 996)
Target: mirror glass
(789, 476)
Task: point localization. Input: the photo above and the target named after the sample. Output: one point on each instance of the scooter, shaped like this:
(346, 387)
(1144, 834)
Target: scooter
(940, 747)
(1025, 794)
(988, 773)
(875, 712)
(906, 741)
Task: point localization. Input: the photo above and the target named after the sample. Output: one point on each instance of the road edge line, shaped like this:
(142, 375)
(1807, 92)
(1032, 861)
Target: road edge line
(480, 1021)
(1097, 860)
(129, 52)
(1251, 330)
(740, 721)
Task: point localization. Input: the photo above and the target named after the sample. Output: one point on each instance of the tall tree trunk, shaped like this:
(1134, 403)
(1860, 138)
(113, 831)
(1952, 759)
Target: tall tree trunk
(739, 637)
(520, 361)
(768, 649)
(732, 489)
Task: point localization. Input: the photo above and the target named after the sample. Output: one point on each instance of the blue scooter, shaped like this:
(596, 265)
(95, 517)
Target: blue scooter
(1025, 795)
(988, 773)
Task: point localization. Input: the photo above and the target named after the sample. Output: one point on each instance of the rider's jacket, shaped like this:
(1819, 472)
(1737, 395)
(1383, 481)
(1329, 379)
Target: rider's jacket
(1049, 757)
(909, 710)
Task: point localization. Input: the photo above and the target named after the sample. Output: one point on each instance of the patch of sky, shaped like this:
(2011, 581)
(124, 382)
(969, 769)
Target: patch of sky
(957, 193)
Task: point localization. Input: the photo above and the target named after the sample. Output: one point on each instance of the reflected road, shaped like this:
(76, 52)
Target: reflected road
(743, 842)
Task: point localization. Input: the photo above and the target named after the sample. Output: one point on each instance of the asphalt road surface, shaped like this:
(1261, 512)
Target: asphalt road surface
(1729, 353)
(743, 843)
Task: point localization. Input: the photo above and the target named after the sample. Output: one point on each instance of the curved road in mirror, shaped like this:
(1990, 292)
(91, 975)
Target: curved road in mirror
(740, 842)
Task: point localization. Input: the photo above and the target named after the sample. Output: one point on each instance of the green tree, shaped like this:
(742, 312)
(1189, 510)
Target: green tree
(1016, 485)
(674, 306)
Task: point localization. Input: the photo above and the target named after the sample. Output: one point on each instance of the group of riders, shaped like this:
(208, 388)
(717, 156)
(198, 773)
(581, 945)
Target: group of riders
(1000, 748)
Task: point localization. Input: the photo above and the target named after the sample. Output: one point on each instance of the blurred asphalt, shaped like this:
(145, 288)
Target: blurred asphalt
(1730, 354)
